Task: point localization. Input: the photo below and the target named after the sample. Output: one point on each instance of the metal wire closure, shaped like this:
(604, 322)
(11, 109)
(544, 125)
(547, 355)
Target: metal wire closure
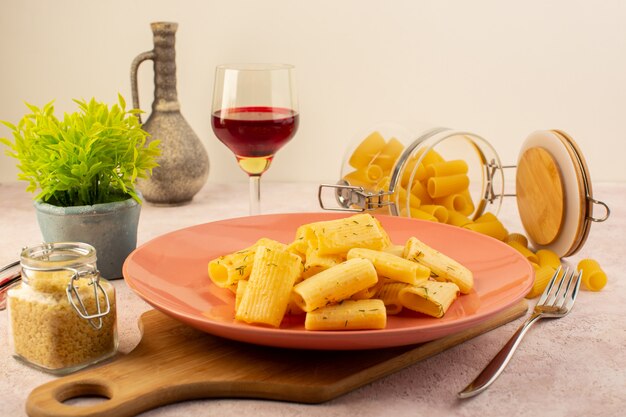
(354, 199)
(72, 292)
(490, 173)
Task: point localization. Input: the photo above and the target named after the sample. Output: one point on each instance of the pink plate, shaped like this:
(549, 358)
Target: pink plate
(170, 273)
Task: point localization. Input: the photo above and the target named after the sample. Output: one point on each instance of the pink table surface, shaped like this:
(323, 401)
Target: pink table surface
(574, 366)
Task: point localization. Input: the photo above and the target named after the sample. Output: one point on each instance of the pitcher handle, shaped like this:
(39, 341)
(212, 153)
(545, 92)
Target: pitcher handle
(133, 76)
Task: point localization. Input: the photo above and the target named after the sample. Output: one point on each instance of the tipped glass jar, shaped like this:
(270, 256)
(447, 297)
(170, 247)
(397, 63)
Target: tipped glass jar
(62, 317)
(456, 177)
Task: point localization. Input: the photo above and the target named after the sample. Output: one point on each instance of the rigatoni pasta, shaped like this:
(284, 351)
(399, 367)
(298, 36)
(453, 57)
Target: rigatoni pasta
(267, 294)
(335, 284)
(349, 315)
(354, 285)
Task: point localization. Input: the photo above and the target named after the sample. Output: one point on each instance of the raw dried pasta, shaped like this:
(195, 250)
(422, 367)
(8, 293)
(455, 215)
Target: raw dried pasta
(593, 278)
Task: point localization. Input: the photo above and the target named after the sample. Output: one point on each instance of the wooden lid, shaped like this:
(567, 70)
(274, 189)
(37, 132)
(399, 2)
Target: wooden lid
(553, 192)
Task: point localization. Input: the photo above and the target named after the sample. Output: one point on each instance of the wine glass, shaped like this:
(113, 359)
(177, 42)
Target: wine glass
(254, 113)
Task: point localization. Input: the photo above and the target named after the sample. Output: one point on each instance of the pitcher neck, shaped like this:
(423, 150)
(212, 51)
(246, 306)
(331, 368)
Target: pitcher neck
(165, 94)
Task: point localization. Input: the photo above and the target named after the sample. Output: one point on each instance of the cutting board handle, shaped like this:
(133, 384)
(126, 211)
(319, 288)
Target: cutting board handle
(48, 399)
(174, 362)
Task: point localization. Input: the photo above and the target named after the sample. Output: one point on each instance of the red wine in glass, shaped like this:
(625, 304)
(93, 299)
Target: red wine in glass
(255, 134)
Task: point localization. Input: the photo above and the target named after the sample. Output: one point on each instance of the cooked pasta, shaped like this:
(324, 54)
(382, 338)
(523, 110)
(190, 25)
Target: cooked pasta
(335, 284)
(226, 270)
(267, 294)
(389, 294)
(442, 267)
(354, 285)
(391, 266)
(339, 236)
(430, 297)
(349, 315)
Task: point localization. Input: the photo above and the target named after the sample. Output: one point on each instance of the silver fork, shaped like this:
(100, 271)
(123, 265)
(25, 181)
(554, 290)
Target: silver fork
(552, 304)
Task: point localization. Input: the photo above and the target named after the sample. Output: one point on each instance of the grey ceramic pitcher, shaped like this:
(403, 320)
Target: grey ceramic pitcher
(184, 163)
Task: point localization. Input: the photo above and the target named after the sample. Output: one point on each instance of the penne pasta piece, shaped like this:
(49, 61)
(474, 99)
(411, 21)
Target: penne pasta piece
(543, 275)
(419, 191)
(548, 258)
(441, 169)
(593, 278)
(268, 292)
(432, 157)
(452, 202)
(389, 294)
(402, 197)
(367, 150)
(495, 229)
(430, 297)
(349, 315)
(358, 178)
(389, 154)
(226, 270)
(392, 266)
(443, 186)
(486, 218)
(407, 172)
(374, 173)
(468, 208)
(439, 212)
(417, 214)
(527, 253)
(457, 219)
(335, 284)
(337, 237)
(442, 267)
(517, 237)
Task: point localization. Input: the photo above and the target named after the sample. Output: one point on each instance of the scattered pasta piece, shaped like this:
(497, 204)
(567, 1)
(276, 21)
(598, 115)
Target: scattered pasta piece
(548, 258)
(543, 275)
(593, 278)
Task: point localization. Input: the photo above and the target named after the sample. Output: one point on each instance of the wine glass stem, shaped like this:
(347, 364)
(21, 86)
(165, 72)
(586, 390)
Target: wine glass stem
(255, 195)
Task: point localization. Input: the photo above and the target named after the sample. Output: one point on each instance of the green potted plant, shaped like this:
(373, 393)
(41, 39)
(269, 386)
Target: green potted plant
(85, 167)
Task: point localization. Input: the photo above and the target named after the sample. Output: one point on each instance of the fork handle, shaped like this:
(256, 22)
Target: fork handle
(499, 362)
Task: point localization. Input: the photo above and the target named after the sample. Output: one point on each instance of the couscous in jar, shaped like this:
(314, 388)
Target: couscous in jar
(63, 315)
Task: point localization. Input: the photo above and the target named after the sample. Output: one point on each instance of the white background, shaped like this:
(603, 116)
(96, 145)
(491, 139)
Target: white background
(501, 69)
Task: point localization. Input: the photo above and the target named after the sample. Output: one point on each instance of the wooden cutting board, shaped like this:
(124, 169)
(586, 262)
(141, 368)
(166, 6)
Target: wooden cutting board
(174, 362)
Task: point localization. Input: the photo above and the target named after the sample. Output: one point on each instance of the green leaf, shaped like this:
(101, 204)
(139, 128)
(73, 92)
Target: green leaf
(90, 156)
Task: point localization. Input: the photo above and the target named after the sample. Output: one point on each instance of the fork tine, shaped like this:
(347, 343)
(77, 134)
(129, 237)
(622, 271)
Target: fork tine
(572, 298)
(552, 299)
(561, 298)
(544, 296)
